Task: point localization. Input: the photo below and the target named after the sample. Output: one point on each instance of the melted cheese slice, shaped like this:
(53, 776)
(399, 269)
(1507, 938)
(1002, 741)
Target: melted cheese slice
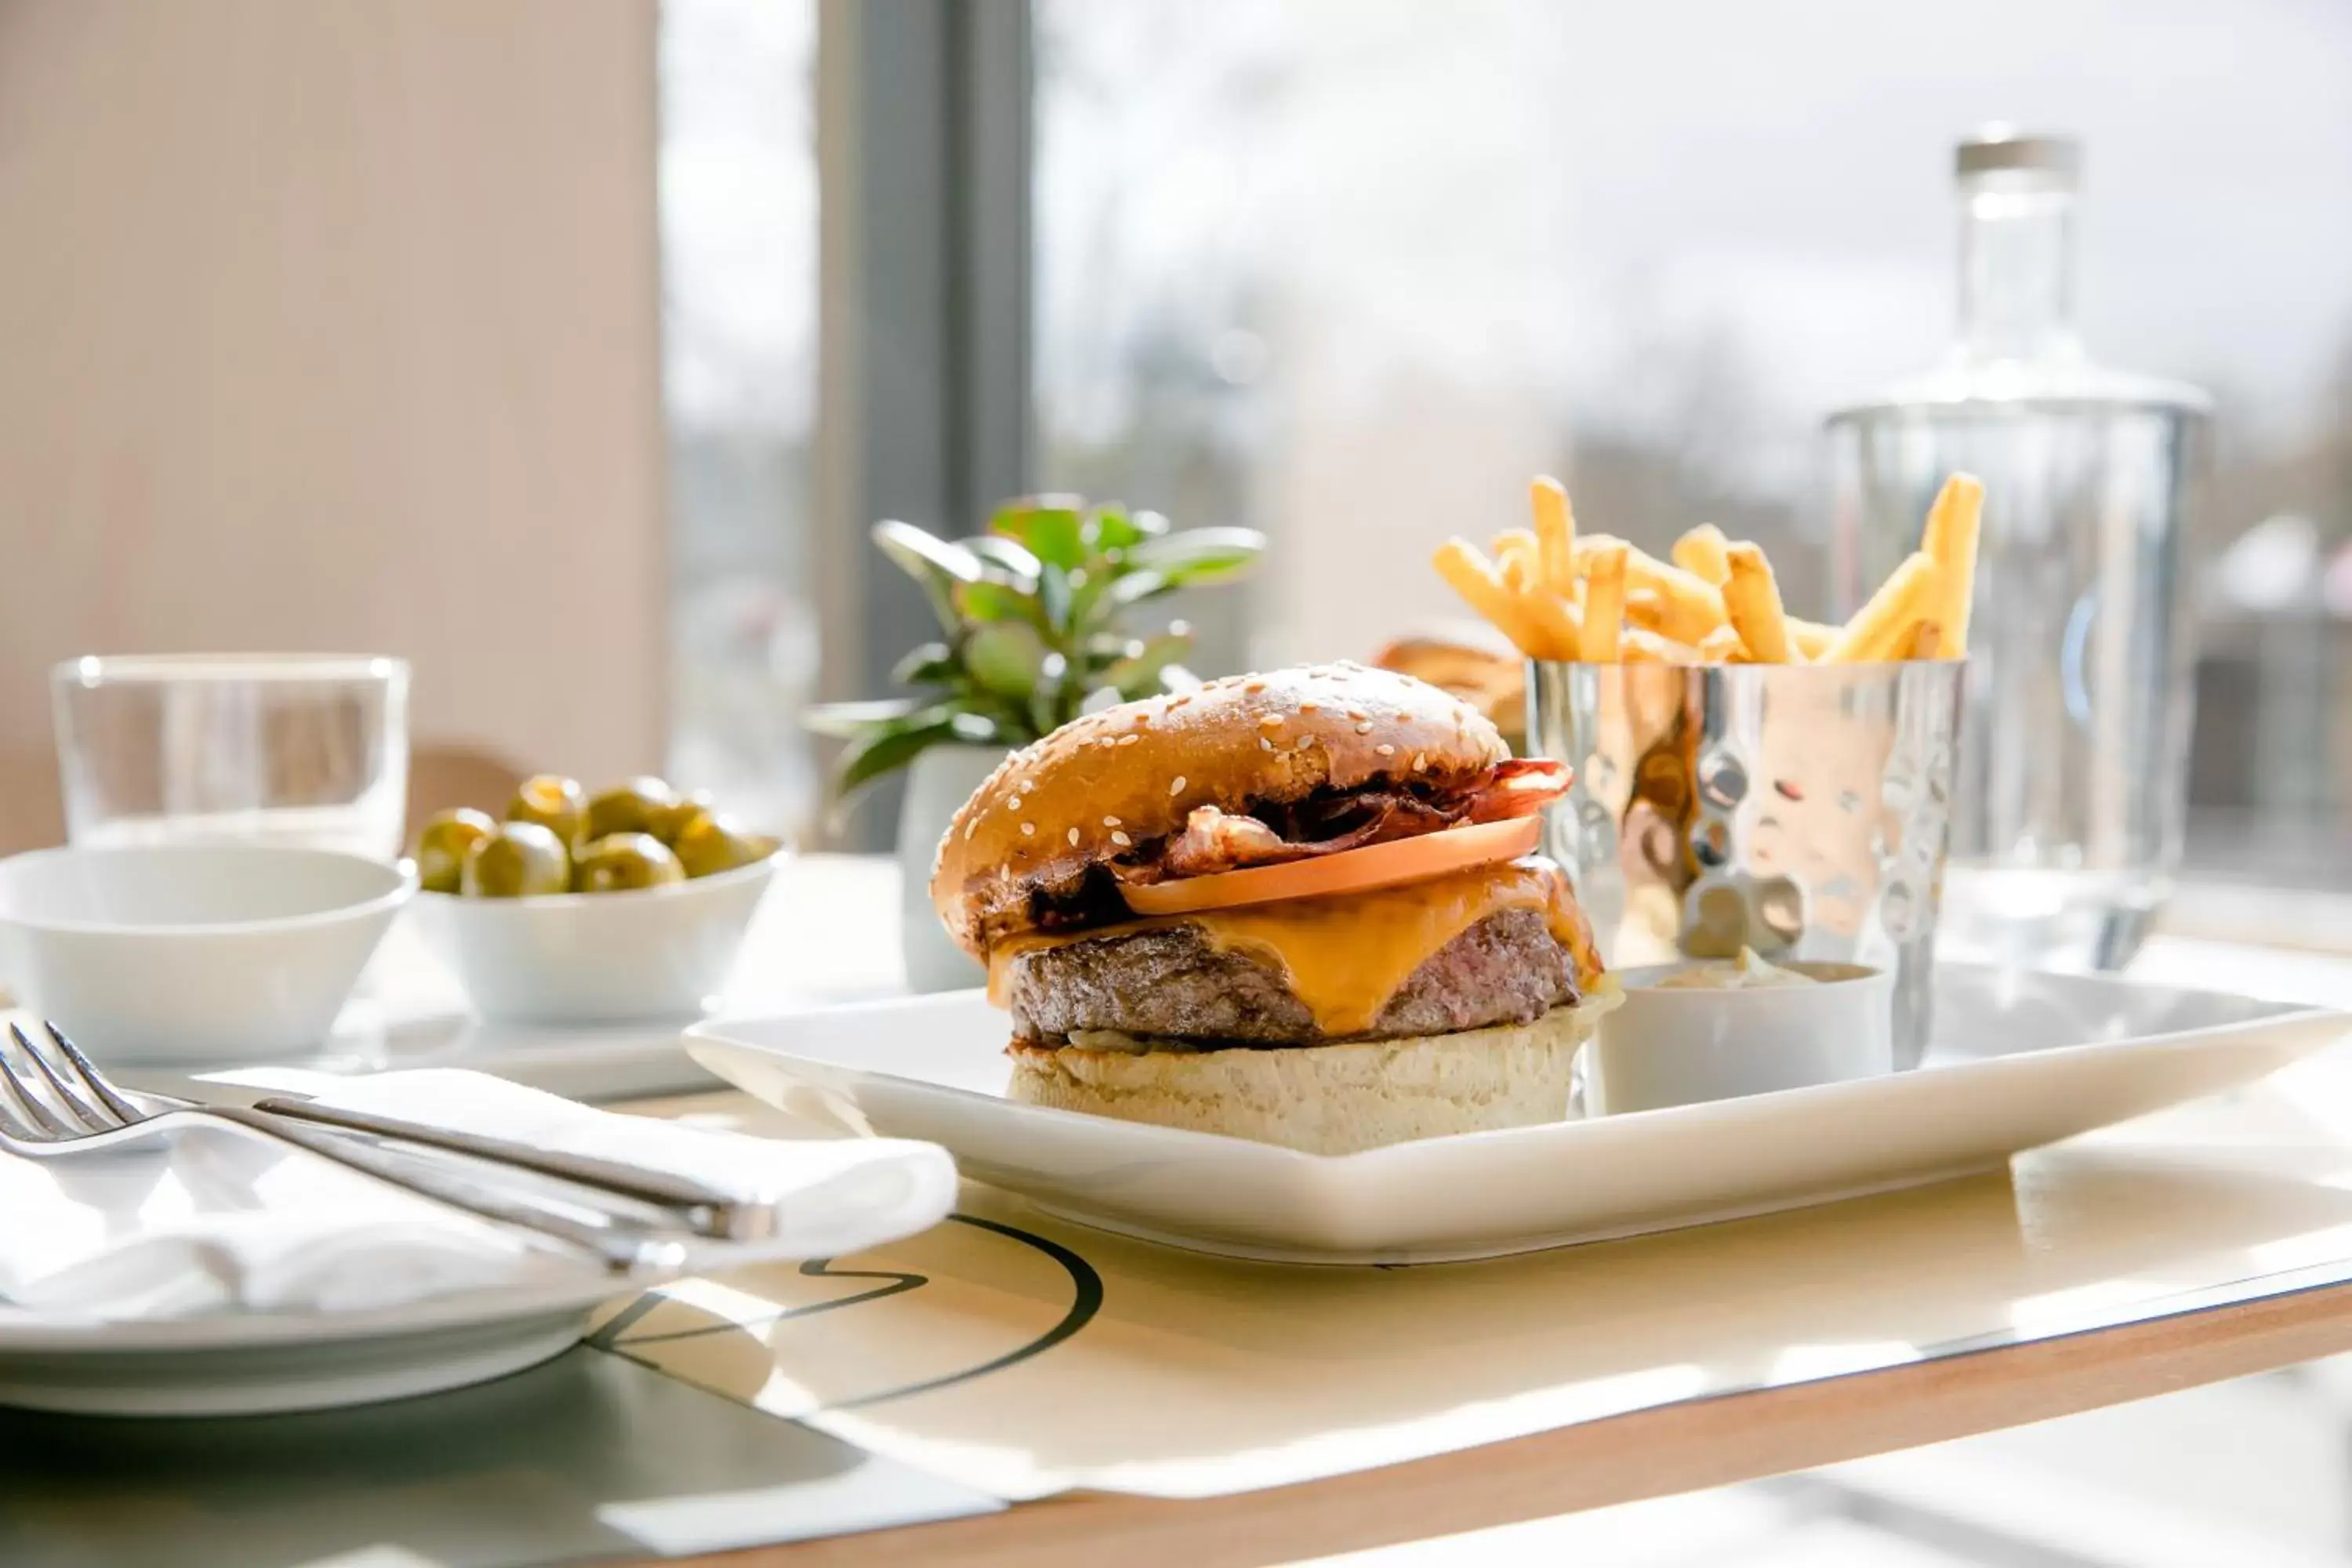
(1347, 955)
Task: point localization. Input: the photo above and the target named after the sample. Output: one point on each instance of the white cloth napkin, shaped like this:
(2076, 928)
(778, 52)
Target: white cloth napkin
(211, 1219)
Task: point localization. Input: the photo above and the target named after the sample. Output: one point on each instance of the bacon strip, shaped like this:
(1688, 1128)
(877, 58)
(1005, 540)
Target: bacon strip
(1215, 841)
(1520, 787)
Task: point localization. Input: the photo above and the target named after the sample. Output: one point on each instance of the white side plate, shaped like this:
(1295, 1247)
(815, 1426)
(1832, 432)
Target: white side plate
(2019, 1061)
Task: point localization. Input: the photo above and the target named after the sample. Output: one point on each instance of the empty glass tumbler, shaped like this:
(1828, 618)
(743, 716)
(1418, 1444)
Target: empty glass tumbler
(2067, 807)
(287, 749)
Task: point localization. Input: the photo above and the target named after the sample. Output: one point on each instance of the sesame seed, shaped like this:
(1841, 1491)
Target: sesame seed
(1176, 784)
(1420, 761)
(1270, 722)
(1364, 727)
(968, 828)
(1356, 714)
(1110, 822)
(1305, 741)
(1073, 837)
(1014, 802)
(1028, 829)
(1129, 740)
(1121, 839)
(1385, 749)
(1263, 744)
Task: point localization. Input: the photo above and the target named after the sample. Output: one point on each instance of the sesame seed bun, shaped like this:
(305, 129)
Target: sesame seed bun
(1109, 784)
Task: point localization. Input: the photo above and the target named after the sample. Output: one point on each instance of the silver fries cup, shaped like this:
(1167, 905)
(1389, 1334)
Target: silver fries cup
(1797, 809)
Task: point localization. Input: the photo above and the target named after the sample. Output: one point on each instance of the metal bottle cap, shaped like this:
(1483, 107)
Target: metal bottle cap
(1998, 147)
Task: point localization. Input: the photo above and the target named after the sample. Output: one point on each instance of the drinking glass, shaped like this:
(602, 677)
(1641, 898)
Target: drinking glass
(308, 750)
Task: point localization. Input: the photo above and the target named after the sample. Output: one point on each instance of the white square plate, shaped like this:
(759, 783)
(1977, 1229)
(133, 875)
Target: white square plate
(2019, 1061)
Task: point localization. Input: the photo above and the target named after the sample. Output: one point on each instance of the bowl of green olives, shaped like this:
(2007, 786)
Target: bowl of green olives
(628, 903)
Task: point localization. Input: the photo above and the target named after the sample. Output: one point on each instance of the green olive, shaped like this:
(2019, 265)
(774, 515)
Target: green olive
(635, 806)
(671, 824)
(621, 861)
(714, 843)
(552, 801)
(441, 847)
(517, 861)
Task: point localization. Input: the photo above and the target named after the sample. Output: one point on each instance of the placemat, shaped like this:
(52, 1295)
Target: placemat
(587, 1458)
(1019, 1354)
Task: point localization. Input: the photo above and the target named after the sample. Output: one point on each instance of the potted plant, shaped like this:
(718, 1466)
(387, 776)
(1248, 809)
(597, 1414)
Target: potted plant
(1030, 614)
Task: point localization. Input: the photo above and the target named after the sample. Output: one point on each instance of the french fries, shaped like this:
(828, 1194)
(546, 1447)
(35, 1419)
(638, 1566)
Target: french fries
(1604, 603)
(1477, 580)
(1641, 646)
(1700, 553)
(1883, 628)
(1810, 639)
(1722, 646)
(1752, 598)
(1555, 534)
(1564, 596)
(1950, 536)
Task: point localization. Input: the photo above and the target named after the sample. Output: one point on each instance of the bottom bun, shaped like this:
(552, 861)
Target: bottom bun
(1327, 1100)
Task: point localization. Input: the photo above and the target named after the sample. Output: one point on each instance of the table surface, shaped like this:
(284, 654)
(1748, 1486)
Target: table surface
(1547, 1349)
(2287, 1317)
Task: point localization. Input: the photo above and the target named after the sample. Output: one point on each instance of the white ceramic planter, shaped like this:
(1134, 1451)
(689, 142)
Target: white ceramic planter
(938, 782)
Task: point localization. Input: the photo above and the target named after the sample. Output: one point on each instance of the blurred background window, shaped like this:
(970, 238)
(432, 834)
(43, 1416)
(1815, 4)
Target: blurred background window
(739, 234)
(1351, 270)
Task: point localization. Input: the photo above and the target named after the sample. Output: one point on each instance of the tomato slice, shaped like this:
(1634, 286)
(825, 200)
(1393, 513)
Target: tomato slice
(1348, 871)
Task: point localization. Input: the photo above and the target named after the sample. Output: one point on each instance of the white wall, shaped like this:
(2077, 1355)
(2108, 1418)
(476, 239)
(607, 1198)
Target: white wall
(332, 324)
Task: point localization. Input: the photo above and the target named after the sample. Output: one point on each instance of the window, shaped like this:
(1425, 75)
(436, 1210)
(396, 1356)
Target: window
(739, 212)
(1350, 271)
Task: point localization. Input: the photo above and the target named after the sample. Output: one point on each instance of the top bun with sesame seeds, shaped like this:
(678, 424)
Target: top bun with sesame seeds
(1047, 842)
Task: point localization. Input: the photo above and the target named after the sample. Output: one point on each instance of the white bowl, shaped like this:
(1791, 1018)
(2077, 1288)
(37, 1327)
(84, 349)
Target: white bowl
(577, 958)
(214, 953)
(1680, 1045)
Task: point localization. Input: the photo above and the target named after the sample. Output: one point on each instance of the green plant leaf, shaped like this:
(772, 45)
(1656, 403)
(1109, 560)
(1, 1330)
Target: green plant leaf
(889, 746)
(1054, 700)
(894, 745)
(1048, 525)
(1104, 648)
(1053, 596)
(1138, 674)
(1013, 558)
(988, 601)
(1200, 556)
(1134, 587)
(937, 564)
(846, 721)
(1005, 657)
(927, 664)
(1107, 527)
(1090, 595)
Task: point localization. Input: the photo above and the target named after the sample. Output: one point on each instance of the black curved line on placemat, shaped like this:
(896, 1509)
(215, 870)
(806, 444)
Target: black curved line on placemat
(814, 1269)
(1085, 1300)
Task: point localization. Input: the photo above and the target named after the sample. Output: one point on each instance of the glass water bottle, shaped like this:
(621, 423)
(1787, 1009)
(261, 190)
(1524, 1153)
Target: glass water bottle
(2067, 809)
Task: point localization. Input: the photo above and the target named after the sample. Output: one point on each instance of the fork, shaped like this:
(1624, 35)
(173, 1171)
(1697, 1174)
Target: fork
(82, 1106)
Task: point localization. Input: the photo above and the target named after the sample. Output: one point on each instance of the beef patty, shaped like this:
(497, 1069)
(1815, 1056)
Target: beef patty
(1169, 982)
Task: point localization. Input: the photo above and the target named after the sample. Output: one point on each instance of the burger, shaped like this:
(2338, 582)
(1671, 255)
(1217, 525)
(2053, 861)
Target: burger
(1298, 907)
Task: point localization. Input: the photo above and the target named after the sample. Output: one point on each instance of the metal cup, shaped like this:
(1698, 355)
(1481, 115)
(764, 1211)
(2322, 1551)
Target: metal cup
(1800, 810)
